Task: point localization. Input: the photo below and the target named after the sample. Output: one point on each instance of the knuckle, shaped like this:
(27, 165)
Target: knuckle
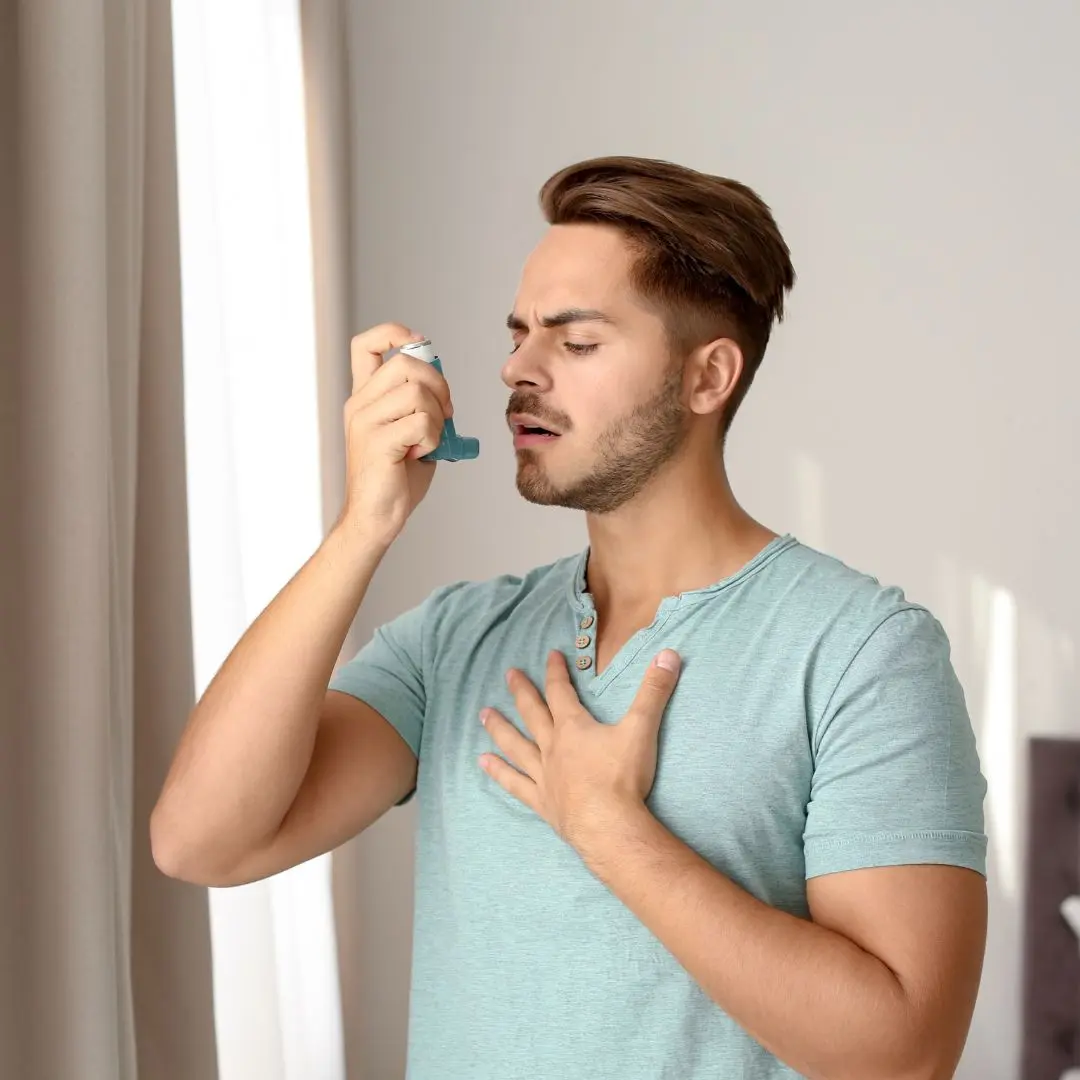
(386, 329)
(417, 394)
(350, 416)
(659, 679)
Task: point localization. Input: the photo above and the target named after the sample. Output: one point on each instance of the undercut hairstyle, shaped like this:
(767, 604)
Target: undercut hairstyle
(708, 256)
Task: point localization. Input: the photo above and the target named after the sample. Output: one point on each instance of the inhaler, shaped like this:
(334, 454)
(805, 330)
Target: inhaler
(452, 446)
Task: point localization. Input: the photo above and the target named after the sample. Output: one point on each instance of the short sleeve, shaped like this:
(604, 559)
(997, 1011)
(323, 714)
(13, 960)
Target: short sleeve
(896, 775)
(388, 674)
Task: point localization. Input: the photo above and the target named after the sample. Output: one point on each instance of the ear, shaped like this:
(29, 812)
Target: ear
(717, 367)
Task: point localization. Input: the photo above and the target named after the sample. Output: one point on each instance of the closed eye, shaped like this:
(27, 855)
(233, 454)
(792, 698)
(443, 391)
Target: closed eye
(575, 347)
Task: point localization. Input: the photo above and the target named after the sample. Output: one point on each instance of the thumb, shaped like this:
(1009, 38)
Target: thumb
(656, 688)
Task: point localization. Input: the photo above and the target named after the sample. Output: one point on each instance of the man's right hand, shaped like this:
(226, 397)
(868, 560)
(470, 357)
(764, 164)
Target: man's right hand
(394, 416)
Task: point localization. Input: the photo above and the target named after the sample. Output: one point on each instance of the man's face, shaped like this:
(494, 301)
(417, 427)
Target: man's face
(602, 376)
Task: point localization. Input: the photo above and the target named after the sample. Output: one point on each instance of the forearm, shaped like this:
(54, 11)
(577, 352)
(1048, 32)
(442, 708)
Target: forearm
(810, 996)
(249, 741)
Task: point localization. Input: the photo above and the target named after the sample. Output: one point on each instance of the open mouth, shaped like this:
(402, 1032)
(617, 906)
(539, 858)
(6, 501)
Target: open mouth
(532, 435)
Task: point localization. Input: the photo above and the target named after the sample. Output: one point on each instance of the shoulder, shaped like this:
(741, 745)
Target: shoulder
(852, 625)
(464, 607)
(845, 604)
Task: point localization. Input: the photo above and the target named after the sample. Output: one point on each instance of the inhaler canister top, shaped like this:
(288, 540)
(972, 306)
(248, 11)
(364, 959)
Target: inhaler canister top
(422, 350)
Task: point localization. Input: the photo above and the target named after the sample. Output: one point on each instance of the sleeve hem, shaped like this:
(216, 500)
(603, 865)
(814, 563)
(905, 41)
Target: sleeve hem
(381, 699)
(914, 847)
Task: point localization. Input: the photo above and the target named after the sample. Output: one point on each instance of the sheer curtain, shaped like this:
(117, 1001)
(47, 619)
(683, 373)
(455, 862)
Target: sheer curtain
(255, 487)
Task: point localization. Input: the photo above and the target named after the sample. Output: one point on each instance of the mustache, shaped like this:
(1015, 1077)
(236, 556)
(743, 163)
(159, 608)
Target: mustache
(534, 405)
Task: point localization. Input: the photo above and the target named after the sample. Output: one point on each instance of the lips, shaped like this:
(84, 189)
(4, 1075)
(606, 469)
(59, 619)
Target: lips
(526, 424)
(531, 432)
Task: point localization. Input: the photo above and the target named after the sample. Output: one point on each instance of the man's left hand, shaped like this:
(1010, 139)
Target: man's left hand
(576, 769)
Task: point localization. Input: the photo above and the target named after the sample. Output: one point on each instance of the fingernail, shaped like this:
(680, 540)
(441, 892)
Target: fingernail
(483, 717)
(668, 659)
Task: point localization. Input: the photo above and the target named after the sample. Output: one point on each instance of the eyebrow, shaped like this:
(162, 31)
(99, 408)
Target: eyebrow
(561, 318)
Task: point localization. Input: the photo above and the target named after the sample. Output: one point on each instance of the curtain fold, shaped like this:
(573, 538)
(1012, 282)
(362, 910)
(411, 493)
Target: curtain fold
(324, 31)
(104, 964)
(373, 1013)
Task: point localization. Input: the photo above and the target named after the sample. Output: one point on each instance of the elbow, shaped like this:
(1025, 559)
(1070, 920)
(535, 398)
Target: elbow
(929, 1062)
(170, 853)
(180, 856)
(177, 856)
(913, 1053)
(931, 1070)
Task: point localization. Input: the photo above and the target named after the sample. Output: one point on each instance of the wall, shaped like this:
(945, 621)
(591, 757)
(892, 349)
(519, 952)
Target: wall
(916, 415)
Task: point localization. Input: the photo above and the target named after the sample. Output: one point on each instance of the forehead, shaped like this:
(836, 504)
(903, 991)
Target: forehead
(577, 266)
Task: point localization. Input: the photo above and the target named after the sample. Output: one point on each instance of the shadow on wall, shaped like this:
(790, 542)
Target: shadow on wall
(1018, 673)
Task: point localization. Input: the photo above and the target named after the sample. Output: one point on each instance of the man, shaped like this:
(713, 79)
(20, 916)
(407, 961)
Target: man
(696, 802)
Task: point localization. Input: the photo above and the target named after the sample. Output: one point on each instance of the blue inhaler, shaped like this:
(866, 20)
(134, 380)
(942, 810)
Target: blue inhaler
(452, 446)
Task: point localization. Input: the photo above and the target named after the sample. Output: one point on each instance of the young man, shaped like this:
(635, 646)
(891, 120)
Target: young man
(696, 802)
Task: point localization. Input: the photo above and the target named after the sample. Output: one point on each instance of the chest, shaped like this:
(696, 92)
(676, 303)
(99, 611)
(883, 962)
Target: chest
(733, 768)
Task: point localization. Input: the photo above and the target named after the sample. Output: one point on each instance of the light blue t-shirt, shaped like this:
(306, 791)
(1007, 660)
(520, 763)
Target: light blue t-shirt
(817, 726)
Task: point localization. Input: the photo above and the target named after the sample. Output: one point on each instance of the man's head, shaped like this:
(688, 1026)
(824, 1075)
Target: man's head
(640, 321)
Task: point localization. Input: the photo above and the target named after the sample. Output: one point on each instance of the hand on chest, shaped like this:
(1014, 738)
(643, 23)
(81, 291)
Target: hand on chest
(731, 745)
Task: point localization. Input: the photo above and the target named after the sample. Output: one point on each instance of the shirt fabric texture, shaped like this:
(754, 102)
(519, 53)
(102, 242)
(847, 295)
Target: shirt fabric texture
(817, 726)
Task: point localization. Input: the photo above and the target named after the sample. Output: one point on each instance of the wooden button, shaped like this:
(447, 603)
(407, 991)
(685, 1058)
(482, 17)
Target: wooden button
(587, 622)
(583, 662)
(583, 640)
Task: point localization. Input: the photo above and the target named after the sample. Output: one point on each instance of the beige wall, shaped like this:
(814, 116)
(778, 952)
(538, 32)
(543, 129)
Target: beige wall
(916, 415)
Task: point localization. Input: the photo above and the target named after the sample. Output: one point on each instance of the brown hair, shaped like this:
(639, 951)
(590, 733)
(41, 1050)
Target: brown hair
(710, 257)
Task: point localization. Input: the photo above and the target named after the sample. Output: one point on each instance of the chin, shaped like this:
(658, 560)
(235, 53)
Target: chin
(535, 484)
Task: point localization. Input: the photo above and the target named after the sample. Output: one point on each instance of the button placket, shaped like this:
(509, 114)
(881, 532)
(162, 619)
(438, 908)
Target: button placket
(584, 661)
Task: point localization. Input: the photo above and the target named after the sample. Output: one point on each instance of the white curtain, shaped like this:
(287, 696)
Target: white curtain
(165, 467)
(252, 405)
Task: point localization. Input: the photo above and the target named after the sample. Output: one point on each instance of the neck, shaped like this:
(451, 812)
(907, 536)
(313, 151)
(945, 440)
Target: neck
(684, 531)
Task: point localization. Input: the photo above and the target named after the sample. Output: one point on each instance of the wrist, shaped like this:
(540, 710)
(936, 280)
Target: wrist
(356, 528)
(357, 544)
(606, 822)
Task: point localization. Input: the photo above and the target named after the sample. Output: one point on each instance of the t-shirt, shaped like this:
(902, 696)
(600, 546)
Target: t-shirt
(817, 726)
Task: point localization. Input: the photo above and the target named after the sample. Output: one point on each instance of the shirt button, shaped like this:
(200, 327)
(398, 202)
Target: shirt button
(583, 640)
(587, 622)
(583, 662)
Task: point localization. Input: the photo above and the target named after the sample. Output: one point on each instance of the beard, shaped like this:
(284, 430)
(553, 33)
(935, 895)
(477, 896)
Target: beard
(629, 453)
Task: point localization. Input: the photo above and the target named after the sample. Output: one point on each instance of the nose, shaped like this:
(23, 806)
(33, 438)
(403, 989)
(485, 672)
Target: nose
(525, 369)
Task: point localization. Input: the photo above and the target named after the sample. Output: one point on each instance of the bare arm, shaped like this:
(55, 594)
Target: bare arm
(881, 985)
(360, 767)
(258, 782)
(272, 769)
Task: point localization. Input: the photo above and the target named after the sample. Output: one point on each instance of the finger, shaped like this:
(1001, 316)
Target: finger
(411, 437)
(520, 786)
(522, 752)
(401, 370)
(530, 705)
(656, 689)
(403, 400)
(366, 350)
(561, 696)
